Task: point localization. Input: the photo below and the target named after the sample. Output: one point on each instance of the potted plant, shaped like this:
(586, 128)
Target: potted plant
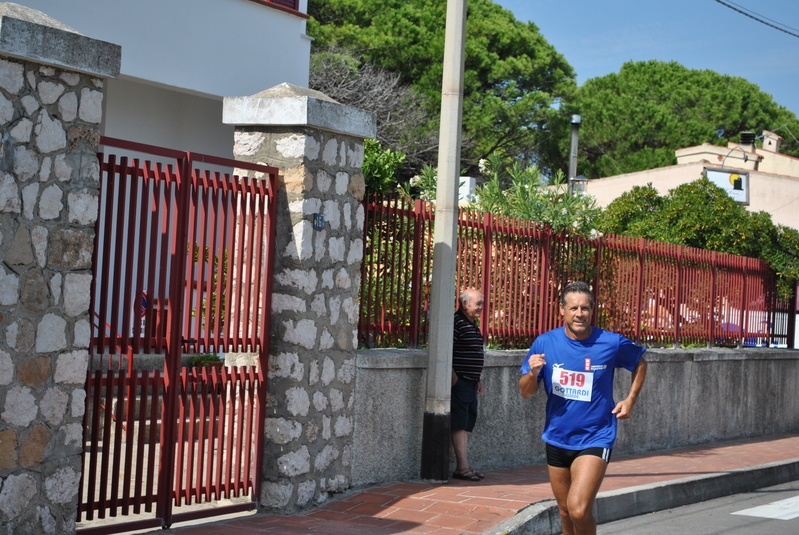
(206, 360)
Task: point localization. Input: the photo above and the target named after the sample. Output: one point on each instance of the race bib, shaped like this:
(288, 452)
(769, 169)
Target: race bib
(571, 384)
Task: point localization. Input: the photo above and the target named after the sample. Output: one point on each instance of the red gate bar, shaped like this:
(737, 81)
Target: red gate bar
(183, 261)
(652, 292)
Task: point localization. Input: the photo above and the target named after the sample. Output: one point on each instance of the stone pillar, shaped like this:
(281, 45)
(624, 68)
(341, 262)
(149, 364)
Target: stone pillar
(317, 144)
(51, 94)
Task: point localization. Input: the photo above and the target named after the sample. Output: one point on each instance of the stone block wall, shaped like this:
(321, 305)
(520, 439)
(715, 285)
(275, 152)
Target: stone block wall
(49, 180)
(50, 112)
(690, 397)
(315, 309)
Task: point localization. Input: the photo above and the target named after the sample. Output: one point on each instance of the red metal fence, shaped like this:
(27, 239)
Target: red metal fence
(652, 292)
(183, 260)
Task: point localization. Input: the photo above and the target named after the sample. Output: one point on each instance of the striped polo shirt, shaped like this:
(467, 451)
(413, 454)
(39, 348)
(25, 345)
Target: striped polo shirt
(467, 348)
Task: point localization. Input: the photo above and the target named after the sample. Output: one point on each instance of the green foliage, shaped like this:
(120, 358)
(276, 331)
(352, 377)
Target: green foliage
(205, 360)
(202, 265)
(513, 76)
(521, 191)
(629, 213)
(380, 167)
(635, 119)
(700, 214)
(421, 186)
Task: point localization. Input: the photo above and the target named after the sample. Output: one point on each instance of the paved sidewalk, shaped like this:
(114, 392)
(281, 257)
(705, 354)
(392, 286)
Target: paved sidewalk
(462, 507)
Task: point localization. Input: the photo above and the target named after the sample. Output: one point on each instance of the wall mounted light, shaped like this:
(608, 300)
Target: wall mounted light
(746, 156)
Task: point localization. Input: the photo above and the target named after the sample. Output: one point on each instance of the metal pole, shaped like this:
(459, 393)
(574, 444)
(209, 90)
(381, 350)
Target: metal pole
(576, 119)
(436, 426)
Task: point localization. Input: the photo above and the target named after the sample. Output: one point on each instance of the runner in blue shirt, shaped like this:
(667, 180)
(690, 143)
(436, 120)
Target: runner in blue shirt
(576, 363)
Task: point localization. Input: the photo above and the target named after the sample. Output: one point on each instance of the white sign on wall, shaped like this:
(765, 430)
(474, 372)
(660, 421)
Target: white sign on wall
(733, 181)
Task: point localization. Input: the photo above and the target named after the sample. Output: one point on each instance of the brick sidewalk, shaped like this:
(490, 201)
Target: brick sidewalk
(462, 507)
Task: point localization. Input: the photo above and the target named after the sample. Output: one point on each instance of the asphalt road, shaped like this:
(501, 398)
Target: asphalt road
(731, 515)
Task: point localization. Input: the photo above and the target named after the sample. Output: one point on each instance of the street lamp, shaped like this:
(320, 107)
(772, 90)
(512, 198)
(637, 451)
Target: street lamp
(746, 156)
(577, 184)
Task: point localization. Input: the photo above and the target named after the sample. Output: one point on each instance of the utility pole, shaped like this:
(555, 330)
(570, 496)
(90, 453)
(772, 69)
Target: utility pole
(436, 426)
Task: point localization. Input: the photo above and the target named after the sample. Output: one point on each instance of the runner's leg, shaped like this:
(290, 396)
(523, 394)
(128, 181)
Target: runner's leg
(587, 472)
(560, 480)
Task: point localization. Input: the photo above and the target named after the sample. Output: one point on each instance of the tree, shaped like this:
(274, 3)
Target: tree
(521, 192)
(700, 214)
(636, 119)
(629, 213)
(403, 122)
(513, 76)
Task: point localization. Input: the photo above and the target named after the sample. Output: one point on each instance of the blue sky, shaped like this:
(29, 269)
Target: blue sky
(597, 37)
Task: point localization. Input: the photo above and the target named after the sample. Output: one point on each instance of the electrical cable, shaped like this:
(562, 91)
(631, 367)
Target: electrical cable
(757, 19)
(762, 16)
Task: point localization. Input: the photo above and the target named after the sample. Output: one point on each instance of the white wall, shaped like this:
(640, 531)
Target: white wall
(158, 116)
(774, 194)
(218, 47)
(180, 58)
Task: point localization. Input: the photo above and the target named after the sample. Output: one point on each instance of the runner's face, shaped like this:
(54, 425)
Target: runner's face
(577, 315)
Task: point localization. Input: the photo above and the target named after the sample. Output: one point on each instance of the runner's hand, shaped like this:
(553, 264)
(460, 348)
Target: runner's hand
(623, 410)
(536, 362)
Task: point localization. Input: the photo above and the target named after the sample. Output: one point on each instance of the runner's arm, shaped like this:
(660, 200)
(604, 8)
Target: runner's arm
(624, 408)
(528, 384)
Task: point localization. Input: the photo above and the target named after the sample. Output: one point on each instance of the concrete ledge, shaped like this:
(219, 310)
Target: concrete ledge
(624, 503)
(542, 518)
(391, 358)
(290, 105)
(31, 35)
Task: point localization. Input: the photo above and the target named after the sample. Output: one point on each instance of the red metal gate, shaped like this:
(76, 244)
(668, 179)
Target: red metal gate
(182, 264)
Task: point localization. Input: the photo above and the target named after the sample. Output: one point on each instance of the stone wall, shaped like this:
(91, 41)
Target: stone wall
(48, 207)
(49, 178)
(690, 397)
(315, 306)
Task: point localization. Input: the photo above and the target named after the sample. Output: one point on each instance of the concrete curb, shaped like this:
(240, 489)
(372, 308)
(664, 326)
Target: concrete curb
(541, 518)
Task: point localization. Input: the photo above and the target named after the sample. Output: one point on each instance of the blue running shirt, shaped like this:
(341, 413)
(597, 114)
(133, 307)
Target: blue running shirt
(578, 412)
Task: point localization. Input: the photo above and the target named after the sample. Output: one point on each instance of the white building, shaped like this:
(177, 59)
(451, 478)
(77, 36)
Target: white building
(768, 180)
(181, 57)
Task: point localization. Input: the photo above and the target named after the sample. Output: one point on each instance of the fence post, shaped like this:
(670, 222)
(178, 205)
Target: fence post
(486, 273)
(791, 342)
(544, 282)
(597, 270)
(742, 317)
(677, 300)
(640, 291)
(416, 275)
(711, 316)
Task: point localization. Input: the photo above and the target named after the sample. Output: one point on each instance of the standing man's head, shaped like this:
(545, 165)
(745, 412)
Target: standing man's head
(471, 302)
(576, 308)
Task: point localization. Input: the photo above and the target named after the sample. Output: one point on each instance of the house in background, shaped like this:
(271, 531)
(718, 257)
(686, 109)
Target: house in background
(180, 58)
(759, 177)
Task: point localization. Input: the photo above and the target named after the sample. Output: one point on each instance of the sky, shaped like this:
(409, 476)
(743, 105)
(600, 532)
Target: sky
(598, 36)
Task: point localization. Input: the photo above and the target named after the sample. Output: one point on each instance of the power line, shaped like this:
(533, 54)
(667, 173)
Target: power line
(760, 20)
(762, 16)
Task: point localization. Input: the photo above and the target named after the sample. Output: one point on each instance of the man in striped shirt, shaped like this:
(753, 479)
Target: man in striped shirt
(468, 353)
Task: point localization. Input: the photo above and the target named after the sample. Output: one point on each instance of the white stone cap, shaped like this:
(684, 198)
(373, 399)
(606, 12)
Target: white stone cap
(29, 34)
(290, 105)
